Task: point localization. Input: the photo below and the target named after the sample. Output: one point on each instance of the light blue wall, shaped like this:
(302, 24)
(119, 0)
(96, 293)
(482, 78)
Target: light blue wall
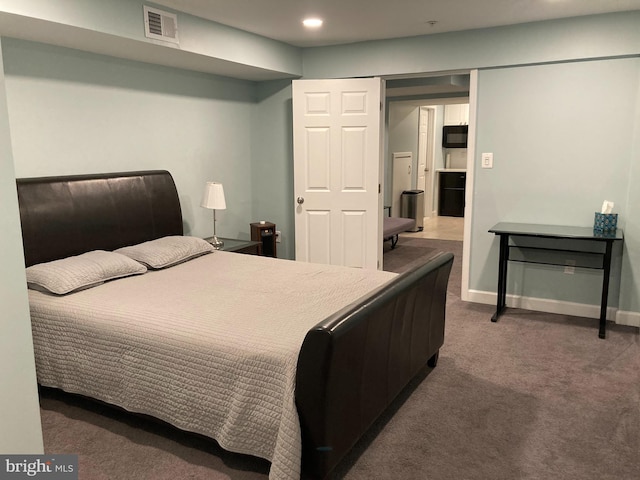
(73, 112)
(99, 20)
(598, 36)
(272, 162)
(19, 412)
(630, 291)
(562, 139)
(402, 137)
(572, 113)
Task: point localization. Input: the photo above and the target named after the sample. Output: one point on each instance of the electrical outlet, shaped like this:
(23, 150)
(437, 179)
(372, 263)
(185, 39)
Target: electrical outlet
(570, 267)
(278, 236)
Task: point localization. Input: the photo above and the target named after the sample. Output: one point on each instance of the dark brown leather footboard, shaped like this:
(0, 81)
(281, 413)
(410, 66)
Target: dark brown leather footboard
(353, 364)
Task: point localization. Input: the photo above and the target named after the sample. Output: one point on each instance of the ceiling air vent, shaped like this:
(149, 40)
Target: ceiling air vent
(160, 25)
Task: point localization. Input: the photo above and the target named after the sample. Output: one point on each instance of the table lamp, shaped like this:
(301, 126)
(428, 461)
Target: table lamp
(213, 198)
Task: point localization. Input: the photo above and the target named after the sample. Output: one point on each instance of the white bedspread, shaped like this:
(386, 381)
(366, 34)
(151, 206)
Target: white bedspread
(209, 346)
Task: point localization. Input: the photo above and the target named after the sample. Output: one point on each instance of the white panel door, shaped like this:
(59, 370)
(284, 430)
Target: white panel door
(423, 131)
(425, 157)
(337, 171)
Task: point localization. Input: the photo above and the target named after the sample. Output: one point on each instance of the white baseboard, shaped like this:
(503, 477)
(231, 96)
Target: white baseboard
(554, 306)
(628, 318)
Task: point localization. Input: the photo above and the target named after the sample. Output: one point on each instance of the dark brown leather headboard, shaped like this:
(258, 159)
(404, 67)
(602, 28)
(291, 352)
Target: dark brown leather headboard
(70, 215)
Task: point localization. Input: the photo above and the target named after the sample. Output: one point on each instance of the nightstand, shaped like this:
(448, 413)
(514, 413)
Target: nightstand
(265, 233)
(240, 246)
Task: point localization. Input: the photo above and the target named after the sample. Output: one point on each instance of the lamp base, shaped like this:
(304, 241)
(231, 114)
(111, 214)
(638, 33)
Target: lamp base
(216, 243)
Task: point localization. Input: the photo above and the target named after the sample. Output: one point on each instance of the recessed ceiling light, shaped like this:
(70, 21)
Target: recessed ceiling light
(312, 22)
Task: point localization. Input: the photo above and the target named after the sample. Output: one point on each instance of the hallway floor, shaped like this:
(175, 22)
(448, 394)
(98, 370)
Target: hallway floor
(441, 228)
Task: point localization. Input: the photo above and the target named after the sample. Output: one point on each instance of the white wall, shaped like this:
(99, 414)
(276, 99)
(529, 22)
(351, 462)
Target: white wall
(20, 430)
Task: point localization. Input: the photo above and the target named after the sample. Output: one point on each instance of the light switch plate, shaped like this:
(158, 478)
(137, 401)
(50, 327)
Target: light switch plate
(487, 160)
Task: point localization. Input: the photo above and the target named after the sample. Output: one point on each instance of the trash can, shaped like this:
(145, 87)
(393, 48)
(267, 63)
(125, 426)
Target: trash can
(412, 206)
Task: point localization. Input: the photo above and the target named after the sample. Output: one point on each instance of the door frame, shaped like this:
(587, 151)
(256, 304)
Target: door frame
(428, 151)
(471, 146)
(468, 208)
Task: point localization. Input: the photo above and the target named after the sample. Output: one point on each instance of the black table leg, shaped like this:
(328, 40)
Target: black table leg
(605, 289)
(502, 276)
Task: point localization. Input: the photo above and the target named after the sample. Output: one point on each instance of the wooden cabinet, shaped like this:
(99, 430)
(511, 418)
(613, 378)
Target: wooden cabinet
(451, 194)
(265, 233)
(456, 114)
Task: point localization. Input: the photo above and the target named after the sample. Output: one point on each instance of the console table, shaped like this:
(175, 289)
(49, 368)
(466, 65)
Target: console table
(555, 232)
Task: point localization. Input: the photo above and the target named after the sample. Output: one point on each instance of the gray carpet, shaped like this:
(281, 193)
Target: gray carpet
(534, 396)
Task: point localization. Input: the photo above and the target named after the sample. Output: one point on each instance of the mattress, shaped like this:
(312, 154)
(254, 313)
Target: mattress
(210, 345)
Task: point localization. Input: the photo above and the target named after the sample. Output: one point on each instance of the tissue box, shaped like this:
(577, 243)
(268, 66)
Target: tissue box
(605, 222)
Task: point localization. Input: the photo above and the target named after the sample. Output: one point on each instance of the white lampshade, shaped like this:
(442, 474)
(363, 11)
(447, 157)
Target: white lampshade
(213, 196)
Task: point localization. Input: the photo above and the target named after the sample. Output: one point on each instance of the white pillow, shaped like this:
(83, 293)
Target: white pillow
(167, 251)
(81, 271)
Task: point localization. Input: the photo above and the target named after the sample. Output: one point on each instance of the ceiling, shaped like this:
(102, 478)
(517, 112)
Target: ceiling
(348, 21)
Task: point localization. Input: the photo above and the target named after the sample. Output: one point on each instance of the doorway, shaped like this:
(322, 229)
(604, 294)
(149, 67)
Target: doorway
(437, 91)
(415, 132)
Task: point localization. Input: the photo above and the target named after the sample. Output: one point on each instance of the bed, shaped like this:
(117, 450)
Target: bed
(193, 343)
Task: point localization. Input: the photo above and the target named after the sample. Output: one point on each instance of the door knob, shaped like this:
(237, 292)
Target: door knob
(300, 200)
